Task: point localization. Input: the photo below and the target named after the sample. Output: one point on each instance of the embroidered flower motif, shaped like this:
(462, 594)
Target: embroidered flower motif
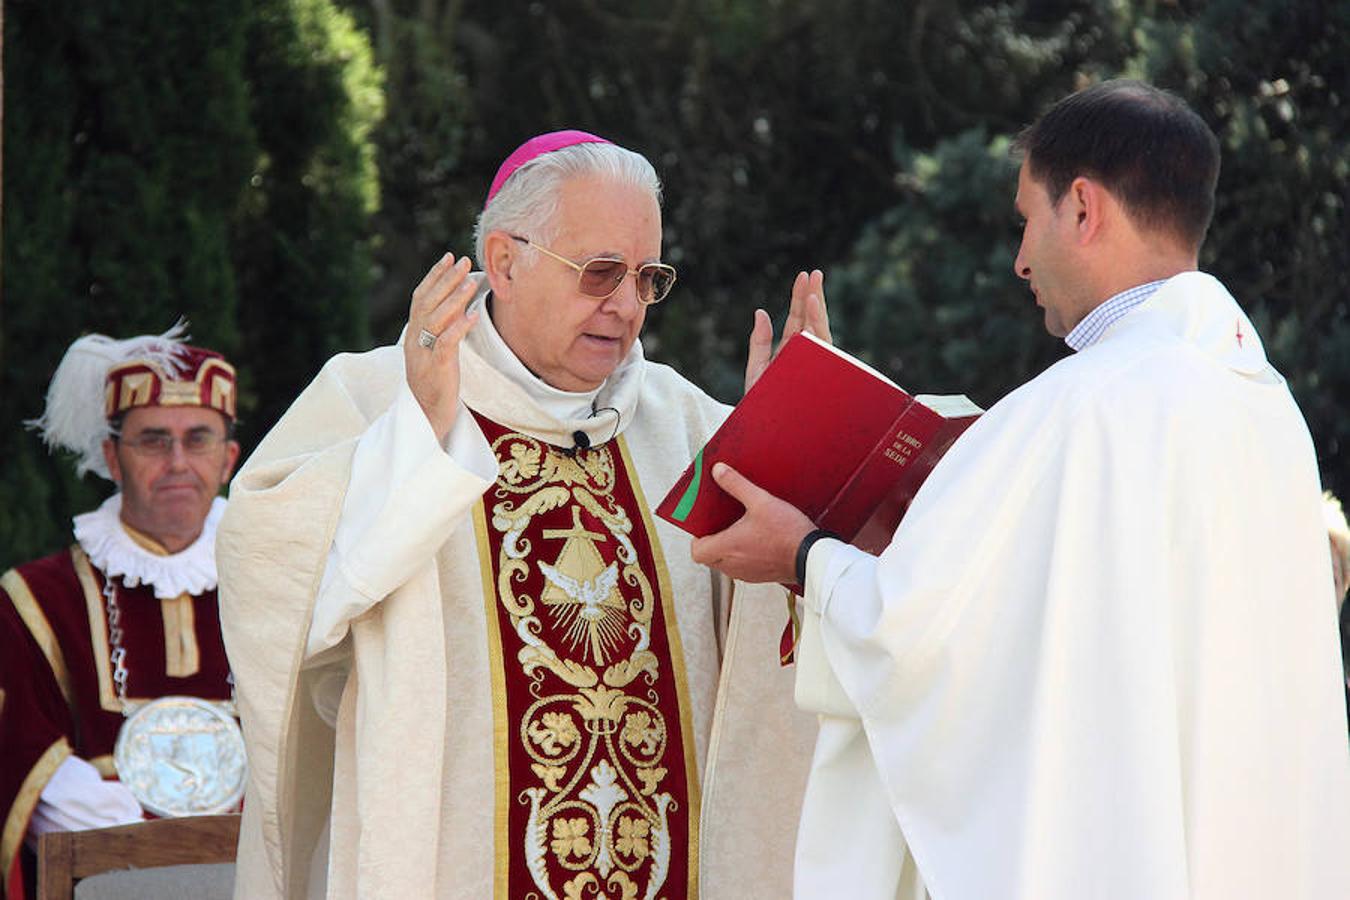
(575, 889)
(627, 889)
(550, 775)
(524, 464)
(570, 838)
(633, 837)
(638, 728)
(557, 732)
(651, 779)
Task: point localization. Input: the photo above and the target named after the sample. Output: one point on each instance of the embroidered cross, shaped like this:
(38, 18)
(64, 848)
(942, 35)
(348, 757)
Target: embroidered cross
(1238, 333)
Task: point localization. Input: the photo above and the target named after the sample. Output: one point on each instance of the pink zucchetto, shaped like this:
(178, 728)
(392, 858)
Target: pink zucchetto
(536, 147)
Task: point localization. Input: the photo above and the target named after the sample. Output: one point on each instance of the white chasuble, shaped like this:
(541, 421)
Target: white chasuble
(540, 692)
(1098, 659)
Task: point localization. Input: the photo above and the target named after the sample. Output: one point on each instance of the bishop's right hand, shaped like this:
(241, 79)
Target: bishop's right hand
(437, 323)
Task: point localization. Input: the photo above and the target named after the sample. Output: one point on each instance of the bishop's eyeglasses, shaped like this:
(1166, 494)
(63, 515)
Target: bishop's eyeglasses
(600, 277)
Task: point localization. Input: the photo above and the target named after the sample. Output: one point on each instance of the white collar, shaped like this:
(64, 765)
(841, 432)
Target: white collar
(1198, 309)
(560, 404)
(114, 552)
(495, 383)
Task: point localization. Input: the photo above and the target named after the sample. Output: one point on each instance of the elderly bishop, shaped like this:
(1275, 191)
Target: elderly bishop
(471, 663)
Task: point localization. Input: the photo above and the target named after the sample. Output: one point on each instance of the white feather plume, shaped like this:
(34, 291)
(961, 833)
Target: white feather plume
(73, 418)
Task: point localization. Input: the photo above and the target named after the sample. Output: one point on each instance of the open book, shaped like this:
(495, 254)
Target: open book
(830, 435)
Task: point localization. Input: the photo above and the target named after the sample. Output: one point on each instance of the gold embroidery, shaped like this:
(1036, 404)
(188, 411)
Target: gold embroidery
(179, 393)
(500, 725)
(136, 390)
(222, 394)
(621, 882)
(677, 670)
(598, 808)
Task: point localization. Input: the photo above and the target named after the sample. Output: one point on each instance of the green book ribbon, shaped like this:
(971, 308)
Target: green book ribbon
(686, 504)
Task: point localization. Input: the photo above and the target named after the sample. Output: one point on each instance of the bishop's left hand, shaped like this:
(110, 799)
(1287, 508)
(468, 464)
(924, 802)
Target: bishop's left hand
(762, 545)
(806, 312)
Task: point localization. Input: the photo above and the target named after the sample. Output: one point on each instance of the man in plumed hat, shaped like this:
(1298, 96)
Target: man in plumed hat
(471, 663)
(95, 637)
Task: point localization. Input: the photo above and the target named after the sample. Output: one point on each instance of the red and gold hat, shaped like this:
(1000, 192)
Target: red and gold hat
(202, 378)
(100, 378)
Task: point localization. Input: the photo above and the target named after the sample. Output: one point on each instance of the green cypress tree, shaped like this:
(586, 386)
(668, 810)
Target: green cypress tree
(302, 236)
(126, 138)
(202, 158)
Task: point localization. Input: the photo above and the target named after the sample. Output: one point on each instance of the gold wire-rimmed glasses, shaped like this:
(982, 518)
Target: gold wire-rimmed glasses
(601, 277)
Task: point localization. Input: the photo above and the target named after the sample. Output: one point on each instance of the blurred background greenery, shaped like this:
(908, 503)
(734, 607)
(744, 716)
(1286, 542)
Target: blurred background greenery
(282, 172)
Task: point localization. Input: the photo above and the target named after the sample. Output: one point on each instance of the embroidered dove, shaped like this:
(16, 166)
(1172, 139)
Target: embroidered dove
(588, 593)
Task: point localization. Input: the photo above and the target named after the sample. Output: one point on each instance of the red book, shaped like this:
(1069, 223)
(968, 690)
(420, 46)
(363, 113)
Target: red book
(830, 435)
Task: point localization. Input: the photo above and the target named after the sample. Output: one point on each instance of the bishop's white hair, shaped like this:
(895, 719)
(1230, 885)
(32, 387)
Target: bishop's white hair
(74, 417)
(528, 203)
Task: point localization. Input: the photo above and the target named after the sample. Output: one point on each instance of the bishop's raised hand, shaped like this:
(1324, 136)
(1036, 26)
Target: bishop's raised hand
(438, 320)
(806, 312)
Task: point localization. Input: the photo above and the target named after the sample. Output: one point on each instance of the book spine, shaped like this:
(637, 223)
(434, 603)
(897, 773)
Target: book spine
(929, 438)
(887, 463)
(870, 506)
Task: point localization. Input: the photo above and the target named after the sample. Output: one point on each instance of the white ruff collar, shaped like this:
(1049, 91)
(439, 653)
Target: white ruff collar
(191, 570)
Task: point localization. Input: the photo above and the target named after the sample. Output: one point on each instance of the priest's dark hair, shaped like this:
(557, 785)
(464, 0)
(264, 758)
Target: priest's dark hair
(1142, 143)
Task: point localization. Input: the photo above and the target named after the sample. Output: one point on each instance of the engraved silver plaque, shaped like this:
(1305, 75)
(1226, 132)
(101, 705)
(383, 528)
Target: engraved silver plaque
(182, 756)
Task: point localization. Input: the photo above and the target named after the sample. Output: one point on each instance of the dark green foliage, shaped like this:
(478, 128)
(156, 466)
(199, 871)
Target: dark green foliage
(928, 293)
(866, 137)
(1276, 77)
(302, 231)
(216, 158)
(986, 327)
(123, 147)
(206, 159)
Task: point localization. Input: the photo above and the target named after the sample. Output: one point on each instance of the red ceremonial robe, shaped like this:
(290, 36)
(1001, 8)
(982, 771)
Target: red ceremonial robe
(57, 695)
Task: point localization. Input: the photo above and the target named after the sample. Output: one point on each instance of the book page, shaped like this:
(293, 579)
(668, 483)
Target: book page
(949, 406)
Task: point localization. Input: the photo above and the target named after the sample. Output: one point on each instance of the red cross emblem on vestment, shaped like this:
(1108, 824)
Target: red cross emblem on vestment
(1238, 333)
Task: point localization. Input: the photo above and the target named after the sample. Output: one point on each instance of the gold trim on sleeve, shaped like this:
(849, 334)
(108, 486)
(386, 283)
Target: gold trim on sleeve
(105, 765)
(676, 664)
(16, 822)
(27, 606)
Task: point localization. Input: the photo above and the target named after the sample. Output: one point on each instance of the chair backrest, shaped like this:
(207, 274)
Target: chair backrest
(64, 857)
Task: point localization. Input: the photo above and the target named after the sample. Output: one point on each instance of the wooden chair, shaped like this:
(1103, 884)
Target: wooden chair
(65, 857)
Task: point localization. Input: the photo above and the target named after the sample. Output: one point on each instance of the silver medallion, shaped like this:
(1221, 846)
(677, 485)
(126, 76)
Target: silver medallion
(182, 756)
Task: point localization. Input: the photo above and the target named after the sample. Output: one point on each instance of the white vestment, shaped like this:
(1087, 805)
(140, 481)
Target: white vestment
(1098, 659)
(405, 781)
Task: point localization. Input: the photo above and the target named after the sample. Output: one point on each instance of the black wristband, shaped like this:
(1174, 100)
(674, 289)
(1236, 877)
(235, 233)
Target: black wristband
(804, 550)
